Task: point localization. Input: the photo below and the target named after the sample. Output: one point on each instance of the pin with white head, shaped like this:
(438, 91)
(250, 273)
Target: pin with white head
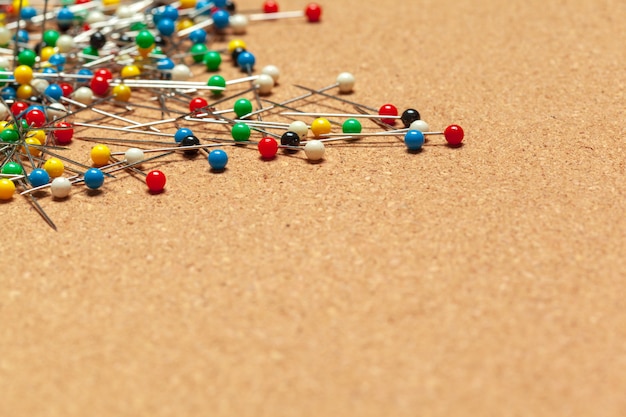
(239, 24)
(345, 83)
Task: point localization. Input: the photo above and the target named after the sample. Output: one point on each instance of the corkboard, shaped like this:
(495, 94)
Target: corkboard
(486, 280)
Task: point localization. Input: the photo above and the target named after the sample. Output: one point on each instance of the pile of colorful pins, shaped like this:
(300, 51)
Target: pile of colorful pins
(71, 71)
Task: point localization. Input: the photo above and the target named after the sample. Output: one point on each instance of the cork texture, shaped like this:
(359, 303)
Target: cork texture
(487, 280)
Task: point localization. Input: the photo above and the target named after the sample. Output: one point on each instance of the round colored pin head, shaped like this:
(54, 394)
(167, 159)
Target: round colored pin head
(268, 147)
(218, 159)
(38, 177)
(100, 155)
(313, 12)
(7, 189)
(60, 187)
(155, 180)
(414, 140)
(94, 178)
(454, 135)
(314, 150)
(242, 107)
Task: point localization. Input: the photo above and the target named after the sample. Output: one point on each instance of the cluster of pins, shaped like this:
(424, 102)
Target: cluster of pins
(104, 60)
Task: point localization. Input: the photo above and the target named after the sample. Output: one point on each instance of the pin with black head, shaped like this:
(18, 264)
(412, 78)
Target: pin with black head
(97, 40)
(230, 6)
(235, 54)
(190, 140)
(409, 116)
(290, 141)
(124, 40)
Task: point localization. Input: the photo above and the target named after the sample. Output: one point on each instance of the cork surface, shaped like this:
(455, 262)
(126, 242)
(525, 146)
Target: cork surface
(486, 280)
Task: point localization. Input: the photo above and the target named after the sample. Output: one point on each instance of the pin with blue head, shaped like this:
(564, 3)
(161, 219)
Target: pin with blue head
(164, 12)
(65, 19)
(182, 133)
(54, 92)
(27, 13)
(246, 61)
(86, 73)
(165, 65)
(166, 27)
(414, 140)
(38, 177)
(205, 6)
(217, 160)
(221, 19)
(8, 93)
(21, 36)
(58, 61)
(94, 178)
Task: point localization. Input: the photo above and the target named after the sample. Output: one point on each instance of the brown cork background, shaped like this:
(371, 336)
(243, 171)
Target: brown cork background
(487, 280)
